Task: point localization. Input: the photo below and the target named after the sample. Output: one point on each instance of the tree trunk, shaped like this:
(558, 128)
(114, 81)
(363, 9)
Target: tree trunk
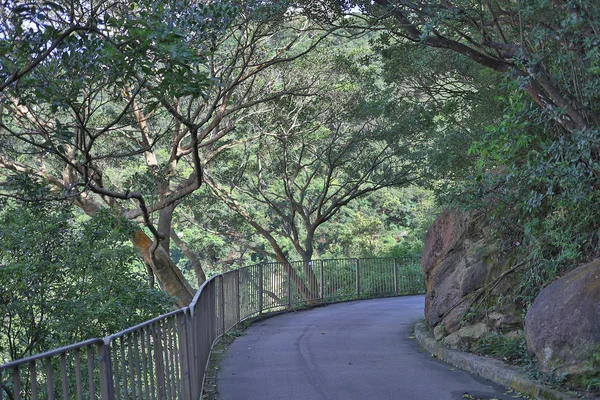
(165, 220)
(158, 262)
(165, 270)
(301, 286)
(540, 88)
(191, 256)
(307, 265)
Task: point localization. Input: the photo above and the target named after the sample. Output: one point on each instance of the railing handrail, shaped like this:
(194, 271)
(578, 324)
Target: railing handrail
(144, 324)
(194, 301)
(50, 353)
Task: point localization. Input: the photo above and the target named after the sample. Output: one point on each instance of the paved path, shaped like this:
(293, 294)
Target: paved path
(359, 350)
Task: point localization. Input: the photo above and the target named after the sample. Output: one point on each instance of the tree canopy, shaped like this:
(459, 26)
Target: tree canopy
(133, 99)
(222, 132)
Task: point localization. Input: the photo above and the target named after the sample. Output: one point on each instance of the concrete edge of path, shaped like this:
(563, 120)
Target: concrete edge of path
(488, 368)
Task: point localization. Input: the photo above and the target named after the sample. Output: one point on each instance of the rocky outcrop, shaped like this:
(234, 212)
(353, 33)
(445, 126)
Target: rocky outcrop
(462, 262)
(562, 326)
(466, 335)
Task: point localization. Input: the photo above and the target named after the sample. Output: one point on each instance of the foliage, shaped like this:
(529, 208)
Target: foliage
(453, 96)
(314, 157)
(389, 223)
(66, 278)
(543, 188)
(511, 349)
(120, 106)
(535, 166)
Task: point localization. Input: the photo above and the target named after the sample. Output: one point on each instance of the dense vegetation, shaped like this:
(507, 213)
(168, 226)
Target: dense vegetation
(210, 134)
(535, 166)
(65, 278)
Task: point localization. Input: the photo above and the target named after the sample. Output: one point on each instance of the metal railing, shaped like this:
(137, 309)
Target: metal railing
(166, 357)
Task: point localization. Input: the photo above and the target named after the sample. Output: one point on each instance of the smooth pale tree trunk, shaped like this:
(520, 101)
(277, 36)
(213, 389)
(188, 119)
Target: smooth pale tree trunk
(165, 270)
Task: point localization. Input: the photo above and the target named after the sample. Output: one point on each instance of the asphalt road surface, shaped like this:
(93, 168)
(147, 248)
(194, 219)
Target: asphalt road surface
(360, 350)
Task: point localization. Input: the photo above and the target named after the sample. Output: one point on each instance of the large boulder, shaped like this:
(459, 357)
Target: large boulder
(462, 264)
(562, 326)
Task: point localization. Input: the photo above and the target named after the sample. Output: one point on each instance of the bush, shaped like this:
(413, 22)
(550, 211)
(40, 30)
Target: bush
(66, 278)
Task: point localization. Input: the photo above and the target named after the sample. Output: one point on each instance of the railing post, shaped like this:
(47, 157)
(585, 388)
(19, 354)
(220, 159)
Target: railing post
(222, 303)
(357, 278)
(50, 379)
(289, 285)
(396, 276)
(185, 353)
(106, 375)
(260, 288)
(33, 378)
(238, 308)
(157, 337)
(321, 291)
(16, 383)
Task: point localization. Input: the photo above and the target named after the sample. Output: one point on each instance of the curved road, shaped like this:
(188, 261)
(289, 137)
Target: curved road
(360, 350)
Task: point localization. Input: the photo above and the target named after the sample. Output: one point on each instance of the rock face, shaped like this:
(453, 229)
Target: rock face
(459, 259)
(562, 326)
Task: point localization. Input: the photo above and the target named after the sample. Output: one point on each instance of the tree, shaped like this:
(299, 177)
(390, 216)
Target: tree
(316, 154)
(537, 42)
(538, 166)
(388, 223)
(460, 97)
(125, 114)
(66, 279)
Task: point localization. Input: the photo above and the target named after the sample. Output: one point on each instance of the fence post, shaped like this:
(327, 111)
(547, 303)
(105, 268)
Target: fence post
(321, 291)
(238, 308)
(16, 383)
(159, 362)
(34, 384)
(357, 278)
(396, 276)
(260, 288)
(106, 375)
(222, 303)
(184, 353)
(289, 285)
